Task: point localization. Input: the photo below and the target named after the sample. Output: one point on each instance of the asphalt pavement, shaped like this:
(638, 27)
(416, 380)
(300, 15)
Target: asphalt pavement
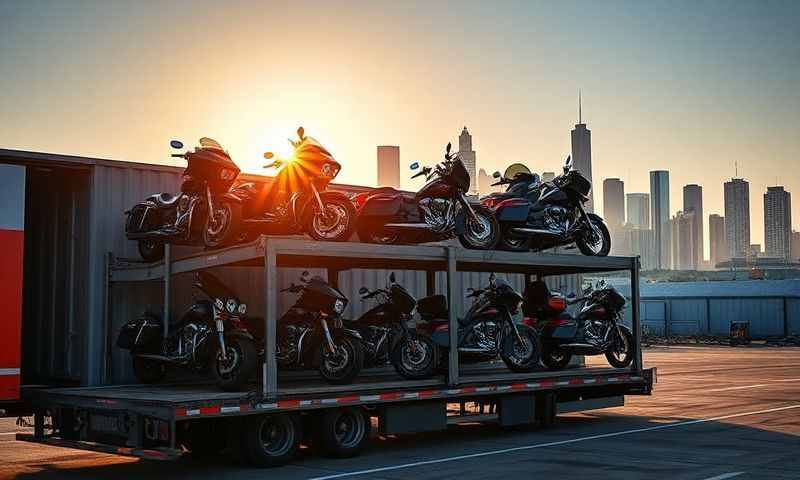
(716, 413)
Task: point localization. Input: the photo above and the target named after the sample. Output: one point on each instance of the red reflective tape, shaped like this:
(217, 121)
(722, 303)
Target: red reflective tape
(9, 387)
(468, 390)
(390, 396)
(209, 410)
(180, 412)
(124, 450)
(288, 403)
(350, 399)
(519, 386)
(546, 383)
(244, 408)
(575, 381)
(427, 393)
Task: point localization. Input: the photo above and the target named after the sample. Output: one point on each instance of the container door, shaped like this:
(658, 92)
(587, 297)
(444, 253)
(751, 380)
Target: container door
(12, 240)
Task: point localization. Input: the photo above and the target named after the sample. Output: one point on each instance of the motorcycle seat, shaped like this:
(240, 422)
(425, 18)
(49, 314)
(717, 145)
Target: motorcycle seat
(164, 199)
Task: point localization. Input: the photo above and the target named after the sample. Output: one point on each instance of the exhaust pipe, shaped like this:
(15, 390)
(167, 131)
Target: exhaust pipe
(533, 231)
(409, 226)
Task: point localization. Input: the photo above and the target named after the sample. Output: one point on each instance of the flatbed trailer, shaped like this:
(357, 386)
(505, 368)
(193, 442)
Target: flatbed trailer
(269, 422)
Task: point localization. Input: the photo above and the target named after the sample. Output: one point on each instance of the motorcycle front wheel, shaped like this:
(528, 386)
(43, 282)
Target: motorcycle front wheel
(415, 357)
(481, 233)
(342, 366)
(222, 225)
(151, 250)
(335, 223)
(596, 242)
(521, 357)
(620, 354)
(233, 370)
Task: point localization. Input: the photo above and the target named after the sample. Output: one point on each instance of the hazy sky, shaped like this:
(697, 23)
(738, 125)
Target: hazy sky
(691, 87)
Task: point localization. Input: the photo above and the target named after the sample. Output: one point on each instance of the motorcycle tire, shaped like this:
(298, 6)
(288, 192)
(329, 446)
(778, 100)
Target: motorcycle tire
(233, 377)
(554, 358)
(271, 440)
(372, 233)
(489, 240)
(228, 233)
(513, 243)
(150, 250)
(603, 249)
(531, 360)
(625, 362)
(352, 363)
(147, 370)
(343, 208)
(415, 368)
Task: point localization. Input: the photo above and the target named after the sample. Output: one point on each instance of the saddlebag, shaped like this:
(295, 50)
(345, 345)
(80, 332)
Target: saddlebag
(381, 206)
(143, 217)
(142, 334)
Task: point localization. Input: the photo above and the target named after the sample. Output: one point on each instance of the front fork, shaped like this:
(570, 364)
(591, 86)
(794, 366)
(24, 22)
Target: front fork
(585, 217)
(465, 203)
(328, 336)
(210, 204)
(320, 205)
(221, 333)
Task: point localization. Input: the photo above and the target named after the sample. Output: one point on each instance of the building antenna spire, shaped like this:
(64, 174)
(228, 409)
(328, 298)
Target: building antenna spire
(736, 167)
(580, 113)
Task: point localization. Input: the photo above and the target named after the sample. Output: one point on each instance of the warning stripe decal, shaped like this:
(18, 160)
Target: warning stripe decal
(294, 404)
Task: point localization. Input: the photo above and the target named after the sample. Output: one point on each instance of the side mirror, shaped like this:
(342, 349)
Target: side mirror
(176, 144)
(492, 278)
(301, 132)
(414, 166)
(269, 155)
(392, 277)
(496, 175)
(449, 147)
(363, 291)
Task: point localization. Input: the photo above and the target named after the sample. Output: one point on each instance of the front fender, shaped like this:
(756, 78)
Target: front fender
(595, 217)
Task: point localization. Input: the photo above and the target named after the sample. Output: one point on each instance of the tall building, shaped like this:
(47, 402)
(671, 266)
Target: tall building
(582, 153)
(778, 223)
(693, 202)
(684, 250)
(639, 210)
(737, 217)
(642, 243)
(388, 166)
(548, 176)
(485, 182)
(659, 213)
(795, 246)
(717, 241)
(614, 202)
(467, 155)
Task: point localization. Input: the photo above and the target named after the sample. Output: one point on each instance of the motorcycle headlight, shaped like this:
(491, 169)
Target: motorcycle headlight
(326, 169)
(338, 306)
(219, 304)
(226, 174)
(231, 306)
(242, 309)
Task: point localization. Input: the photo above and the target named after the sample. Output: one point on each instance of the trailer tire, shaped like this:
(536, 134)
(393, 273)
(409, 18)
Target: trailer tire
(342, 432)
(271, 440)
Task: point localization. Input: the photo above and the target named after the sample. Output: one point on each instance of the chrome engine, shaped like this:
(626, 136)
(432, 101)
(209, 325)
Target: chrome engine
(486, 335)
(596, 332)
(438, 213)
(290, 344)
(189, 339)
(556, 220)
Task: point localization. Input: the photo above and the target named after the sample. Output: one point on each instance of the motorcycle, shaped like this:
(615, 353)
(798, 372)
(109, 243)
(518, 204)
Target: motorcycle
(312, 334)
(211, 333)
(387, 337)
(597, 329)
(537, 216)
(439, 211)
(487, 330)
(297, 202)
(205, 212)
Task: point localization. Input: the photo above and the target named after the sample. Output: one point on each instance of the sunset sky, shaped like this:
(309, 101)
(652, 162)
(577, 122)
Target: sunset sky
(691, 87)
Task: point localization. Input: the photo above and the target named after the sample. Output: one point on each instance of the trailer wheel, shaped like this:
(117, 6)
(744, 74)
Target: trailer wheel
(343, 432)
(271, 440)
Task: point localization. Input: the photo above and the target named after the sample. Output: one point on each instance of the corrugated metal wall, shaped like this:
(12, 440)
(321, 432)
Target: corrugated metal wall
(764, 314)
(793, 315)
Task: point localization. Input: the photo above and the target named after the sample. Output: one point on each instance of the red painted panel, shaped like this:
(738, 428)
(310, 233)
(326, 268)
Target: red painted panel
(11, 247)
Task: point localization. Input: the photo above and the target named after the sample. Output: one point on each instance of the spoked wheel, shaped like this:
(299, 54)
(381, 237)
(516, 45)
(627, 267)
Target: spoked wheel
(597, 241)
(151, 250)
(335, 223)
(415, 357)
(482, 232)
(272, 440)
(235, 368)
(223, 224)
(555, 358)
(341, 366)
(343, 432)
(521, 354)
(148, 370)
(620, 354)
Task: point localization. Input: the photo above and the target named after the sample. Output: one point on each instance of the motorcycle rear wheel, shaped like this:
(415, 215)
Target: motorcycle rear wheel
(513, 243)
(368, 232)
(483, 235)
(554, 358)
(150, 250)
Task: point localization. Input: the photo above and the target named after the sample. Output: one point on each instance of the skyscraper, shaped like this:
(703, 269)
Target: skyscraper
(388, 166)
(582, 153)
(485, 182)
(778, 223)
(642, 243)
(795, 246)
(737, 217)
(693, 202)
(614, 202)
(467, 155)
(639, 210)
(659, 208)
(717, 240)
(683, 237)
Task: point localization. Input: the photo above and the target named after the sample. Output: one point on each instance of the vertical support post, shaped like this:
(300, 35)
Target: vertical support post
(452, 298)
(270, 370)
(430, 282)
(636, 321)
(167, 283)
(106, 319)
(333, 277)
(785, 317)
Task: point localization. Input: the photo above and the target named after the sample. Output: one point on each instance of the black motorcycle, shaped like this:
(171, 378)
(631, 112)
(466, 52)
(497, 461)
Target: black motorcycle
(387, 336)
(205, 212)
(487, 330)
(596, 330)
(212, 333)
(537, 216)
(311, 334)
(439, 211)
(296, 202)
